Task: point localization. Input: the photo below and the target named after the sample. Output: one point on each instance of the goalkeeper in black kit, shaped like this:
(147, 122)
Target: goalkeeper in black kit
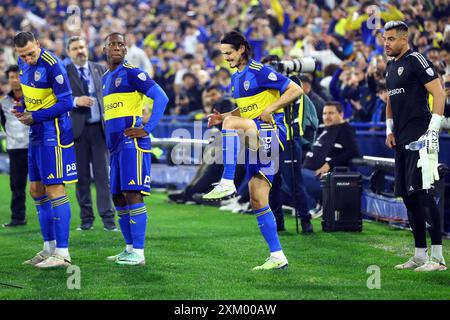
(410, 79)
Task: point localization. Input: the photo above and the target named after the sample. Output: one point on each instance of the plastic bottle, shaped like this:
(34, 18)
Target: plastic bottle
(415, 145)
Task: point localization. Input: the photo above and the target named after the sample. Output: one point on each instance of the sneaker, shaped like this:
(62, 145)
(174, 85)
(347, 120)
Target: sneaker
(432, 264)
(131, 259)
(54, 261)
(272, 264)
(14, 223)
(412, 263)
(317, 212)
(241, 207)
(229, 204)
(39, 257)
(220, 192)
(121, 255)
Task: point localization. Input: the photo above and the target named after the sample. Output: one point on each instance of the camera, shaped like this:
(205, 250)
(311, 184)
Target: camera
(300, 65)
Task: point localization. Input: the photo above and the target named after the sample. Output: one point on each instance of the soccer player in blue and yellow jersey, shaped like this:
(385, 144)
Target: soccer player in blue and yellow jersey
(51, 156)
(124, 88)
(260, 94)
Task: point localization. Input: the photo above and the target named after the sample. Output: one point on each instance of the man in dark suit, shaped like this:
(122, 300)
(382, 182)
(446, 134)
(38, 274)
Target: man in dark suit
(89, 136)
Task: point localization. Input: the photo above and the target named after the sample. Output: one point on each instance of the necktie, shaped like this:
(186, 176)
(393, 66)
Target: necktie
(84, 80)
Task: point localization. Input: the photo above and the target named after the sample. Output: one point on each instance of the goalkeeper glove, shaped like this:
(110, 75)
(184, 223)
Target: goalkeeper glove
(431, 136)
(429, 164)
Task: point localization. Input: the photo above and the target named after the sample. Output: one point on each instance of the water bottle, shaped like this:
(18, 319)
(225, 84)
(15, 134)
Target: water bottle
(415, 145)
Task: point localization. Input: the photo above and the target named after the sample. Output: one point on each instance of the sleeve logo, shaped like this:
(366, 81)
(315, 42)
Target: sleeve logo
(59, 79)
(142, 76)
(430, 72)
(272, 76)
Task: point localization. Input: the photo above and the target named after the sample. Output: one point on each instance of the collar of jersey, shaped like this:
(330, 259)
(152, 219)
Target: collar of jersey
(239, 73)
(118, 68)
(404, 56)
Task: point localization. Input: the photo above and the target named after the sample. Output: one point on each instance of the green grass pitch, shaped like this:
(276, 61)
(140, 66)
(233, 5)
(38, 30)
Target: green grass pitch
(196, 252)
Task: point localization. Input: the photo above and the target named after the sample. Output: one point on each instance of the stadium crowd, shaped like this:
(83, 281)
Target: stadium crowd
(177, 42)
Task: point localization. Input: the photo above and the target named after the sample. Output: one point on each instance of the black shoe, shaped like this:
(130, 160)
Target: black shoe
(178, 197)
(110, 227)
(307, 227)
(15, 223)
(85, 226)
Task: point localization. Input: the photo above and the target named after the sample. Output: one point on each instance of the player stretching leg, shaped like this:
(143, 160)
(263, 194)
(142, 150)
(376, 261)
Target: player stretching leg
(129, 144)
(260, 94)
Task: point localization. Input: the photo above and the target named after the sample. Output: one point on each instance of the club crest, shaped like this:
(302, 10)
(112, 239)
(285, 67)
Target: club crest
(400, 71)
(142, 76)
(118, 82)
(37, 76)
(59, 79)
(246, 85)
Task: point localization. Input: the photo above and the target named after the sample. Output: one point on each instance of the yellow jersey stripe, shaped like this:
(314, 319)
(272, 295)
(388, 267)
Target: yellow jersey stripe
(49, 59)
(49, 56)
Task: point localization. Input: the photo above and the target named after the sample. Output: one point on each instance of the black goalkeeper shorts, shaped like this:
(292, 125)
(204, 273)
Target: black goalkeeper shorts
(408, 178)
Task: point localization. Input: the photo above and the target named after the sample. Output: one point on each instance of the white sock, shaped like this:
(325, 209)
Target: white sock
(52, 246)
(278, 255)
(436, 252)
(129, 248)
(227, 182)
(63, 252)
(139, 252)
(421, 253)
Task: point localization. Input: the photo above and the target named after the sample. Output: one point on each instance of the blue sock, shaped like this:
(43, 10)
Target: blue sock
(268, 226)
(124, 222)
(61, 209)
(138, 223)
(46, 221)
(230, 151)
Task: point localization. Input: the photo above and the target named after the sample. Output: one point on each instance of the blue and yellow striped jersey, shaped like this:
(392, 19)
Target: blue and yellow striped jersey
(43, 85)
(256, 87)
(123, 94)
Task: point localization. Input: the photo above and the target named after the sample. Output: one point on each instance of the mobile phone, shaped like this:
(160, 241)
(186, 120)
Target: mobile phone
(447, 84)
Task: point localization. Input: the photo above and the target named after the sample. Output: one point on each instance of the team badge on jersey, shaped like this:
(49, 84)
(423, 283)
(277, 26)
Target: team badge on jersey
(246, 85)
(142, 76)
(118, 82)
(37, 76)
(59, 79)
(272, 76)
(400, 71)
(430, 72)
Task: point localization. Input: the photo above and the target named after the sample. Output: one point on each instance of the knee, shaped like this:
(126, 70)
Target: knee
(228, 123)
(36, 191)
(119, 200)
(133, 197)
(257, 203)
(55, 191)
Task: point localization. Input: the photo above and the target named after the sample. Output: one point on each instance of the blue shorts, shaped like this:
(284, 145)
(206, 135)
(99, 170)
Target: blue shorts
(52, 164)
(265, 161)
(130, 171)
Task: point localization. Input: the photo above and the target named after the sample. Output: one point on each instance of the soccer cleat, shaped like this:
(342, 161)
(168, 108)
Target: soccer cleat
(131, 259)
(118, 256)
(220, 192)
(39, 257)
(412, 263)
(54, 261)
(432, 264)
(272, 264)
